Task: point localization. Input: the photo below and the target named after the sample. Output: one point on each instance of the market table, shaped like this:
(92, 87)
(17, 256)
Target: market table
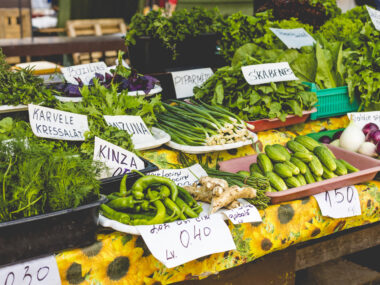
(119, 258)
(44, 46)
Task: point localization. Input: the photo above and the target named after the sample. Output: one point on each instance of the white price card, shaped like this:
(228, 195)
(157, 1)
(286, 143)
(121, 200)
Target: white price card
(375, 17)
(294, 38)
(55, 124)
(133, 125)
(339, 203)
(247, 213)
(184, 176)
(84, 72)
(363, 118)
(268, 72)
(42, 271)
(118, 160)
(182, 241)
(184, 81)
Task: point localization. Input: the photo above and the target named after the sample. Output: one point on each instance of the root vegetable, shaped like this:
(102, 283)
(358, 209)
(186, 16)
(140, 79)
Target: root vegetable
(231, 194)
(233, 205)
(211, 183)
(200, 193)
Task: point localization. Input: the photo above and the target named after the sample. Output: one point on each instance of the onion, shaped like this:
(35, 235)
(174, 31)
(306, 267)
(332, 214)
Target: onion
(368, 148)
(369, 128)
(374, 137)
(378, 148)
(325, 139)
(335, 143)
(337, 135)
(352, 137)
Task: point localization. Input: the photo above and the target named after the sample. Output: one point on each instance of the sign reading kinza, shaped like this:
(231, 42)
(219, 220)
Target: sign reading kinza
(269, 72)
(55, 124)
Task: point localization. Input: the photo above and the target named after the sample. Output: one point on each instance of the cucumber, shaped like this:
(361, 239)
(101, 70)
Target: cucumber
(255, 168)
(274, 154)
(325, 157)
(327, 174)
(264, 162)
(308, 176)
(282, 170)
(244, 173)
(350, 168)
(296, 146)
(292, 182)
(303, 156)
(307, 142)
(294, 168)
(318, 178)
(297, 162)
(329, 150)
(340, 168)
(257, 174)
(276, 181)
(301, 179)
(282, 150)
(316, 166)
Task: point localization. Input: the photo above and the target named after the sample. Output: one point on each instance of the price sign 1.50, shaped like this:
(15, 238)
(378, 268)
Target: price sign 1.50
(339, 203)
(42, 271)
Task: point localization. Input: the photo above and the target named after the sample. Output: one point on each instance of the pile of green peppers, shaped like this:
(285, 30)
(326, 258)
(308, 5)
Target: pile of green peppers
(151, 200)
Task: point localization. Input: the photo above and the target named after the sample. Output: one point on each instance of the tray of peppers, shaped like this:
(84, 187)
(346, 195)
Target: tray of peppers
(149, 200)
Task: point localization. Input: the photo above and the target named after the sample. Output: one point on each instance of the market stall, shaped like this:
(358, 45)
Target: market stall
(246, 140)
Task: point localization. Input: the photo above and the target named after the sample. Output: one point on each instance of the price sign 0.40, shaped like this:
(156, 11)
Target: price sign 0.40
(339, 203)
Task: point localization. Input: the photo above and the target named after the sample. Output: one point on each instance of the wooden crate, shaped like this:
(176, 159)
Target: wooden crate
(10, 23)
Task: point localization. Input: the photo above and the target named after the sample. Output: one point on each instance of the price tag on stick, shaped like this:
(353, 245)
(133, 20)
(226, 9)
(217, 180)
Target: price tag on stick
(294, 38)
(339, 203)
(179, 242)
(185, 81)
(268, 72)
(244, 214)
(42, 271)
(84, 72)
(375, 17)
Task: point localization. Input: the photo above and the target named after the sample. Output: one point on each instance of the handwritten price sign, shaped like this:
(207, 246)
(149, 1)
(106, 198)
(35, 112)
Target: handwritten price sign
(339, 203)
(179, 242)
(244, 214)
(43, 271)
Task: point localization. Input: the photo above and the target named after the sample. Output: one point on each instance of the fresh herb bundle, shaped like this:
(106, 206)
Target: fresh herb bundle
(21, 86)
(36, 180)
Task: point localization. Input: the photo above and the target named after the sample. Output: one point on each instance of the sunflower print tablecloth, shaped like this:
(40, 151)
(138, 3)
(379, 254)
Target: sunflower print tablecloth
(118, 258)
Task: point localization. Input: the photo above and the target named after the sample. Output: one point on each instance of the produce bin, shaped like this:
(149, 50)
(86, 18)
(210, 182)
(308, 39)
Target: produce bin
(318, 135)
(148, 55)
(112, 184)
(45, 234)
(368, 168)
(332, 102)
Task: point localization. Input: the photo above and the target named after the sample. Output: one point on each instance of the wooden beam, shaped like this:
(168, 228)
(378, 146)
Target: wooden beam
(338, 245)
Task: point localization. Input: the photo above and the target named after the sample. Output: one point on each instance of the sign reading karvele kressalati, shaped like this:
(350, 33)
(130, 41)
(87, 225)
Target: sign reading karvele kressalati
(185, 81)
(294, 38)
(268, 72)
(118, 160)
(85, 72)
(55, 124)
(133, 125)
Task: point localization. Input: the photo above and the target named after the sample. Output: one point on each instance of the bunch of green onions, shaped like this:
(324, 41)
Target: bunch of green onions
(198, 124)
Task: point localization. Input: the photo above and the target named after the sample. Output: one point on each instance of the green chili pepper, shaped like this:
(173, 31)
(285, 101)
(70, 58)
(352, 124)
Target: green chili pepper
(113, 196)
(115, 215)
(171, 218)
(184, 207)
(173, 206)
(159, 218)
(164, 191)
(140, 215)
(123, 203)
(144, 183)
(197, 209)
(145, 205)
(123, 186)
(186, 196)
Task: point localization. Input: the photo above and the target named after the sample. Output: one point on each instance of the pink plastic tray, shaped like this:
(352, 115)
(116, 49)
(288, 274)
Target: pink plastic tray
(267, 124)
(368, 169)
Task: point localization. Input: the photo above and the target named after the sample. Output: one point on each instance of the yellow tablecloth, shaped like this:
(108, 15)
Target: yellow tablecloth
(118, 258)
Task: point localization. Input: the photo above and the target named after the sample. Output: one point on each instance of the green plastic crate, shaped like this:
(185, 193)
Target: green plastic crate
(332, 102)
(330, 134)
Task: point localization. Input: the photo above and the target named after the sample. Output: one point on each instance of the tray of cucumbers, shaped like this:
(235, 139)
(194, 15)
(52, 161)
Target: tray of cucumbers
(305, 167)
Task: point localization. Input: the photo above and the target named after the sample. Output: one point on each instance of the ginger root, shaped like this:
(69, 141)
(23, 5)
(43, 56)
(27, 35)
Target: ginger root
(200, 193)
(211, 183)
(231, 194)
(233, 205)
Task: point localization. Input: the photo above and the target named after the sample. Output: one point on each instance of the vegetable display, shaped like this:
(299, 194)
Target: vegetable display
(228, 89)
(308, 162)
(199, 124)
(150, 200)
(36, 180)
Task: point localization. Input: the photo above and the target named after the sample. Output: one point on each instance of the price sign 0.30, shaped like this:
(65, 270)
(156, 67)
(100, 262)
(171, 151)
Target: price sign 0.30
(42, 271)
(339, 203)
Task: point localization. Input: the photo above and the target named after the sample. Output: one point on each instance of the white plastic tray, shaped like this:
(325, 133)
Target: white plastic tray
(160, 138)
(10, 108)
(207, 149)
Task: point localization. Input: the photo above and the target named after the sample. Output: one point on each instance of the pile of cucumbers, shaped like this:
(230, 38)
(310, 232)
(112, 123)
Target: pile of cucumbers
(309, 161)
